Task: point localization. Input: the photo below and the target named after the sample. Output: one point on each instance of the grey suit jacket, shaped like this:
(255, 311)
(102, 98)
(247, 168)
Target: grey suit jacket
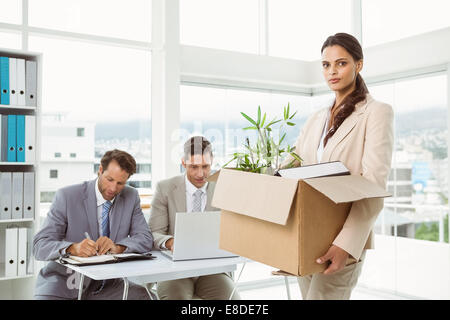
(170, 198)
(73, 212)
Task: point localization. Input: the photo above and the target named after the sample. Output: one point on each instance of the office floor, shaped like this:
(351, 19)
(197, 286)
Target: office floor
(278, 292)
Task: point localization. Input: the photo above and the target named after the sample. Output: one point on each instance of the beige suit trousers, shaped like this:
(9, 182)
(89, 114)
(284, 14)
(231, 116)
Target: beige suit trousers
(337, 286)
(210, 287)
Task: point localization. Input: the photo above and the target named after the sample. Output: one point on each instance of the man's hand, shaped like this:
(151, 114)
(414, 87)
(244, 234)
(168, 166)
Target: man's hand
(85, 248)
(169, 244)
(105, 244)
(338, 258)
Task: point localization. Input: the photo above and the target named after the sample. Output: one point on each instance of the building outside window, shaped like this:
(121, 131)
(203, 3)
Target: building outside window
(53, 174)
(80, 132)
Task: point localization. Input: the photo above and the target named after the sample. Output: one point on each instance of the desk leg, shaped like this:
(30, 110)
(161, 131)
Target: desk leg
(288, 291)
(125, 288)
(80, 288)
(235, 283)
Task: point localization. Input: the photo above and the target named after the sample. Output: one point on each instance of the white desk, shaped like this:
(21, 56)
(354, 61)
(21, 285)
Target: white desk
(155, 270)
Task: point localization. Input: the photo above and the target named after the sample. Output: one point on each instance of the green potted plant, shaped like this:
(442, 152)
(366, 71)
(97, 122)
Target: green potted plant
(266, 154)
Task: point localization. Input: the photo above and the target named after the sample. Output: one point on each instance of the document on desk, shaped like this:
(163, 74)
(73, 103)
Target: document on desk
(105, 258)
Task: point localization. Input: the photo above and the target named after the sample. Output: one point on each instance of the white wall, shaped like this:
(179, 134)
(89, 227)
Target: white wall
(419, 54)
(237, 69)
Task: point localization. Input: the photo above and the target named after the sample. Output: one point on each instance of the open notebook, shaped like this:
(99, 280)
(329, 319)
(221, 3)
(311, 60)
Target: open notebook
(105, 258)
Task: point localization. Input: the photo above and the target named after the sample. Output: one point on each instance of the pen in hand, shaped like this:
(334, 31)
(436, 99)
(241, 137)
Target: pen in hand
(88, 237)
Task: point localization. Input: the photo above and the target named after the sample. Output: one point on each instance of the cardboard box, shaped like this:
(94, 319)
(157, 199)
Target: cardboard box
(285, 223)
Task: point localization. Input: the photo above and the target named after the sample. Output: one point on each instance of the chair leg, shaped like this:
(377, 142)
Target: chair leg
(288, 291)
(153, 294)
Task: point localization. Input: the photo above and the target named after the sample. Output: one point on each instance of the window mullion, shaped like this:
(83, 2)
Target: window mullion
(25, 6)
(356, 19)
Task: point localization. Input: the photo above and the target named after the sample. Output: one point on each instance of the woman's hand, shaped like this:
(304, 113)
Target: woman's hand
(338, 258)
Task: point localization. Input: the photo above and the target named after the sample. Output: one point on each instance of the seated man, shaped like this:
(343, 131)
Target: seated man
(189, 192)
(109, 211)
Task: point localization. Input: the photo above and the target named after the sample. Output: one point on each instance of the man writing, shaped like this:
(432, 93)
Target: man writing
(109, 212)
(189, 192)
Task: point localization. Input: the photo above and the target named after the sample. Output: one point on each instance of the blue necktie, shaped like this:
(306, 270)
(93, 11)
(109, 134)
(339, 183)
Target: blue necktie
(105, 218)
(105, 232)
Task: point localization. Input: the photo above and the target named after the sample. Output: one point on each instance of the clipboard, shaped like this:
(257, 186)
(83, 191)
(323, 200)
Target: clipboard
(104, 259)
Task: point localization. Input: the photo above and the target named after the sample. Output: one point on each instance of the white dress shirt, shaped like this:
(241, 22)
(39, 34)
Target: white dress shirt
(190, 190)
(100, 202)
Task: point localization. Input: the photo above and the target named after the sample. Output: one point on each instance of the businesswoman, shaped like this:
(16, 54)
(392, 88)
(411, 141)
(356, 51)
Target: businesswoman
(358, 131)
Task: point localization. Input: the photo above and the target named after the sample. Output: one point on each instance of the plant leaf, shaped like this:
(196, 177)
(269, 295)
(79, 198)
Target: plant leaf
(250, 128)
(249, 119)
(272, 123)
(282, 138)
(259, 116)
(296, 157)
(293, 115)
(263, 120)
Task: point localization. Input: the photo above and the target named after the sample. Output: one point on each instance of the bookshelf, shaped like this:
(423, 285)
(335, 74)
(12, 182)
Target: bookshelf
(22, 286)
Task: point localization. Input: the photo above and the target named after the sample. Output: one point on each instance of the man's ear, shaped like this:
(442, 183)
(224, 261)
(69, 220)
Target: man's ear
(100, 171)
(183, 163)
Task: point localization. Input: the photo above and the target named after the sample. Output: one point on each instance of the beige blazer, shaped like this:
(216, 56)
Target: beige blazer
(170, 198)
(364, 144)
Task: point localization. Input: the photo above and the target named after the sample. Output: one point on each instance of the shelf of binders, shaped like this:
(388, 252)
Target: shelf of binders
(18, 262)
(12, 108)
(16, 220)
(20, 112)
(17, 164)
(17, 138)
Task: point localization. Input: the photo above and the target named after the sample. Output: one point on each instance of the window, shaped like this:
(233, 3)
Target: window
(73, 155)
(144, 168)
(412, 229)
(130, 20)
(140, 184)
(80, 132)
(11, 11)
(53, 174)
(57, 154)
(47, 196)
(104, 114)
(221, 24)
(215, 113)
(384, 20)
(10, 40)
(297, 29)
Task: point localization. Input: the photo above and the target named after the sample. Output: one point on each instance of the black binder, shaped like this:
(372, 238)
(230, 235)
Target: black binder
(108, 259)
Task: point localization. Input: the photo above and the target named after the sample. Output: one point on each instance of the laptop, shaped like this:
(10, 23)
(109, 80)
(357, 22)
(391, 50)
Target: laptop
(197, 237)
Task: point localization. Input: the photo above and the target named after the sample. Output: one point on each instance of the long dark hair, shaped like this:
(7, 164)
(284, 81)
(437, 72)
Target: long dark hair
(347, 106)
